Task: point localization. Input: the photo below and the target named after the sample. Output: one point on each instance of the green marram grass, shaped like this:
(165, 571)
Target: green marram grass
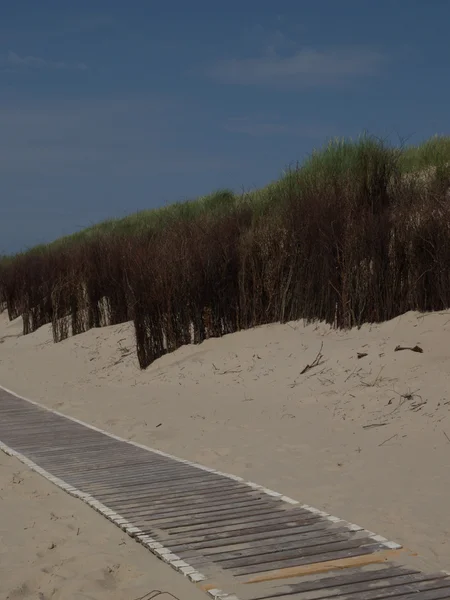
(339, 160)
(434, 152)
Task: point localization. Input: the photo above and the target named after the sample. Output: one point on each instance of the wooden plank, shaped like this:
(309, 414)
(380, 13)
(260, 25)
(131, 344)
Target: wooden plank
(119, 498)
(350, 577)
(209, 509)
(105, 452)
(53, 431)
(254, 549)
(121, 456)
(45, 443)
(284, 519)
(147, 476)
(153, 482)
(204, 502)
(192, 500)
(243, 524)
(251, 514)
(296, 538)
(421, 587)
(103, 468)
(230, 517)
(396, 586)
(161, 491)
(251, 530)
(99, 462)
(155, 477)
(324, 583)
(307, 560)
(203, 542)
(47, 449)
(279, 555)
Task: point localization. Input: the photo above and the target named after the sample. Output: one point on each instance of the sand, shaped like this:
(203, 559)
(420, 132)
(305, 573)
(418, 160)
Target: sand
(366, 439)
(54, 546)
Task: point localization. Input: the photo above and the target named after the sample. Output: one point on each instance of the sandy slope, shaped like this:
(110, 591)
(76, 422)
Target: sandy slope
(54, 546)
(363, 438)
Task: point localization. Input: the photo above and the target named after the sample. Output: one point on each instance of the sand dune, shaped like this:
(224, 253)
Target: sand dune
(366, 438)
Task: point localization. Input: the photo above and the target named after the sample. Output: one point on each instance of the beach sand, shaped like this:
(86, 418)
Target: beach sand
(365, 438)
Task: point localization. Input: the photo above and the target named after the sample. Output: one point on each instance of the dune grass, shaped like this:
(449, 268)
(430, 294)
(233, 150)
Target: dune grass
(344, 237)
(434, 152)
(339, 158)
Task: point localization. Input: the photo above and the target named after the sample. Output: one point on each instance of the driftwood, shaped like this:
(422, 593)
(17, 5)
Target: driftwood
(413, 348)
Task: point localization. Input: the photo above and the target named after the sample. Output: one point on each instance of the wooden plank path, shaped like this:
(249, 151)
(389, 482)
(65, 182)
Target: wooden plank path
(232, 537)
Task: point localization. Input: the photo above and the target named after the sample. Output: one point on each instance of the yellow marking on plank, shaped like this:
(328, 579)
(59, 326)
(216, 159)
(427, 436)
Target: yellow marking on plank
(206, 586)
(323, 567)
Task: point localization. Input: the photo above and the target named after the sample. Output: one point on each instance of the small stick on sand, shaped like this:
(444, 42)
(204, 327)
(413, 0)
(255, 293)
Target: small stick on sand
(316, 362)
(388, 440)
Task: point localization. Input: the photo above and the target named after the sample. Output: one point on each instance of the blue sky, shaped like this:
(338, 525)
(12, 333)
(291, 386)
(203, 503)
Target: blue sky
(108, 107)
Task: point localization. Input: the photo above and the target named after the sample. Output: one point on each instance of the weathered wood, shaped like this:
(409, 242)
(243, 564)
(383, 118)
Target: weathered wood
(421, 587)
(251, 530)
(233, 537)
(253, 550)
(284, 519)
(356, 581)
(281, 554)
(172, 489)
(170, 521)
(296, 562)
(313, 537)
(254, 515)
(322, 584)
(115, 467)
(194, 501)
(351, 576)
(208, 510)
(134, 480)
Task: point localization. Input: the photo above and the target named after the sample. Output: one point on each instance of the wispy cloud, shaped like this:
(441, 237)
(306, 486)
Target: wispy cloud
(15, 61)
(272, 127)
(276, 58)
(303, 68)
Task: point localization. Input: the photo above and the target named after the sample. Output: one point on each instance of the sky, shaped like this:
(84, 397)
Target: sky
(109, 107)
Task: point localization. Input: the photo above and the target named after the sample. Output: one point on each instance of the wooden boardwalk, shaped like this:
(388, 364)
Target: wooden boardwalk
(221, 532)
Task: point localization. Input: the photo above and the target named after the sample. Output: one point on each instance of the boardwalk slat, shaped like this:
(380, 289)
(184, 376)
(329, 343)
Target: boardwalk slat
(284, 519)
(226, 548)
(192, 498)
(204, 516)
(229, 538)
(436, 588)
(228, 563)
(252, 550)
(352, 576)
(296, 562)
